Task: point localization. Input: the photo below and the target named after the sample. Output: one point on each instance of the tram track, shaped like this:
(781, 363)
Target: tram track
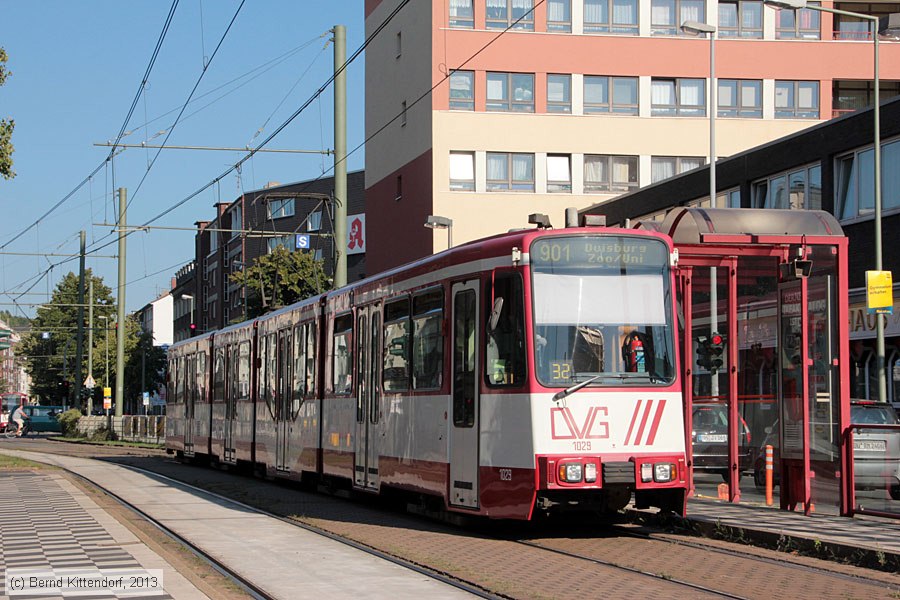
(543, 552)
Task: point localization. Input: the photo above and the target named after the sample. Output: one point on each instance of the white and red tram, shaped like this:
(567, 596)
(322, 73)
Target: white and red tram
(530, 371)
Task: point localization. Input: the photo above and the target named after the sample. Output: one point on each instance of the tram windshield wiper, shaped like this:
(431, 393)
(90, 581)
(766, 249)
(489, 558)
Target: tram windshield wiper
(571, 390)
(624, 376)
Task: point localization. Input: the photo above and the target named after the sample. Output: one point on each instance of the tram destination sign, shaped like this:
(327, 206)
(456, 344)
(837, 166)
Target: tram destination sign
(595, 251)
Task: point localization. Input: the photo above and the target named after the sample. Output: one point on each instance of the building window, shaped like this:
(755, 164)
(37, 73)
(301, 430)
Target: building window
(733, 198)
(559, 173)
(285, 241)
(740, 18)
(854, 176)
(559, 93)
(617, 95)
(847, 27)
(499, 97)
(797, 190)
(663, 167)
(559, 15)
(740, 98)
(509, 171)
(462, 90)
(605, 173)
(281, 208)
(848, 96)
(462, 14)
(624, 16)
(462, 171)
(518, 14)
(314, 221)
(678, 97)
(797, 24)
(796, 99)
(236, 220)
(666, 16)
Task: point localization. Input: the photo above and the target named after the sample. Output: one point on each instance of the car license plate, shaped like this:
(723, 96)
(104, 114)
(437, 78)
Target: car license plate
(873, 445)
(712, 437)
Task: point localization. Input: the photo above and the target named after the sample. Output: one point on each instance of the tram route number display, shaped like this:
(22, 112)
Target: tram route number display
(596, 251)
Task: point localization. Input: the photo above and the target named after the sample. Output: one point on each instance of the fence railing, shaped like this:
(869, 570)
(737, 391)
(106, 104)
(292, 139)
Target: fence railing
(150, 429)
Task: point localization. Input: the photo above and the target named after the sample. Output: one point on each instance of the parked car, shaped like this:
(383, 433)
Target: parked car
(876, 454)
(709, 440)
(43, 418)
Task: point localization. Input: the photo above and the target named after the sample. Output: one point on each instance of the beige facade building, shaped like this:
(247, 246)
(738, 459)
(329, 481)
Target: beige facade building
(481, 117)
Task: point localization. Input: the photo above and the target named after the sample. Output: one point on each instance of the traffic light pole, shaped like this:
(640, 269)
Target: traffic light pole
(79, 336)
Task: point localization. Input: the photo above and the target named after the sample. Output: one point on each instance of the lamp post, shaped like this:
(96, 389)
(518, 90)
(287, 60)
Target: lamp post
(697, 28)
(436, 222)
(887, 25)
(191, 324)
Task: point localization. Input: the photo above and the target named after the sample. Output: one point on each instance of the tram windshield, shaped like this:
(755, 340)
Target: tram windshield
(602, 311)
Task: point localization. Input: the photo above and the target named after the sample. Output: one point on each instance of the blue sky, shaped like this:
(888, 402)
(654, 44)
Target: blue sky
(76, 67)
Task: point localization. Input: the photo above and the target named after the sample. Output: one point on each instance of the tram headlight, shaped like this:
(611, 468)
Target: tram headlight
(570, 472)
(590, 472)
(663, 472)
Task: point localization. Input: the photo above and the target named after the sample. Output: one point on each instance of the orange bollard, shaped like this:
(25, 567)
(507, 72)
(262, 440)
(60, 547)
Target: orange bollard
(770, 465)
(723, 491)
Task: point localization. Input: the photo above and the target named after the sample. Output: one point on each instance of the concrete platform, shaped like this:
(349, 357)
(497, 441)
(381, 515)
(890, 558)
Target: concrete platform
(283, 560)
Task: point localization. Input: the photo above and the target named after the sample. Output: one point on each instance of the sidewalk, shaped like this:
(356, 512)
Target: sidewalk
(47, 523)
(277, 557)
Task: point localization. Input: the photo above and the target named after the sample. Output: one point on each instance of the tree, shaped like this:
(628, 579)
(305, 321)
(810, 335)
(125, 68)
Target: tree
(146, 364)
(281, 278)
(14, 320)
(49, 348)
(6, 128)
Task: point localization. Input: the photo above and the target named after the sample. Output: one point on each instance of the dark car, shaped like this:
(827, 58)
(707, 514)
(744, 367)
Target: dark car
(709, 439)
(42, 419)
(876, 453)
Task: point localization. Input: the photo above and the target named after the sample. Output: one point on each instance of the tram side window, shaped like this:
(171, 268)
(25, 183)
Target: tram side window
(505, 340)
(396, 346)
(271, 370)
(244, 371)
(342, 365)
(311, 336)
(299, 374)
(428, 340)
(219, 376)
(202, 377)
(172, 382)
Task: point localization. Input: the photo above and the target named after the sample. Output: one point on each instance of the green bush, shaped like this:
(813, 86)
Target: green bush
(68, 421)
(103, 435)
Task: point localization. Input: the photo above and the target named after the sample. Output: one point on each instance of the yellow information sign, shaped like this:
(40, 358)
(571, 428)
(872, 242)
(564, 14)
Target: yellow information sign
(879, 292)
(107, 398)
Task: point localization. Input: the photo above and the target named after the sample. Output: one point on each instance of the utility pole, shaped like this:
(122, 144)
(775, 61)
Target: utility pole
(90, 365)
(78, 383)
(120, 322)
(340, 156)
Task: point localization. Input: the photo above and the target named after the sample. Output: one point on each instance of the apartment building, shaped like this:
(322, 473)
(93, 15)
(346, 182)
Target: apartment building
(253, 225)
(489, 110)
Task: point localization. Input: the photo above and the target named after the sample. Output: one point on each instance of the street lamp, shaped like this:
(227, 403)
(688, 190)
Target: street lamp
(191, 326)
(436, 222)
(697, 28)
(888, 25)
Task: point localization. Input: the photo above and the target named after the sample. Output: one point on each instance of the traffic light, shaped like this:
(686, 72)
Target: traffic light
(716, 352)
(704, 353)
(193, 327)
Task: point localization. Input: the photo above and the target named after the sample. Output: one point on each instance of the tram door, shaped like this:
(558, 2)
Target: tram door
(464, 428)
(283, 390)
(231, 376)
(368, 371)
(189, 375)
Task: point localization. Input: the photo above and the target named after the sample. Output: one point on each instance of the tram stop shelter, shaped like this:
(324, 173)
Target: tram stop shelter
(764, 331)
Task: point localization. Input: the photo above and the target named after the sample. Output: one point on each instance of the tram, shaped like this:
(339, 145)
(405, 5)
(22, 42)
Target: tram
(530, 372)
